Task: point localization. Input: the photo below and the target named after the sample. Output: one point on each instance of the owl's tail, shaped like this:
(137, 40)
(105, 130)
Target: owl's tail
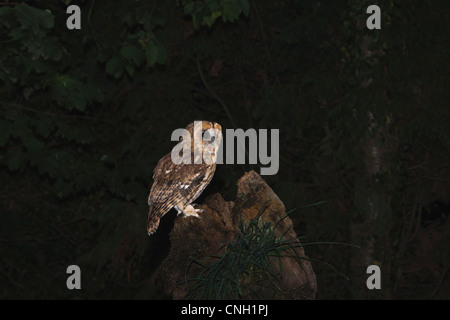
(152, 221)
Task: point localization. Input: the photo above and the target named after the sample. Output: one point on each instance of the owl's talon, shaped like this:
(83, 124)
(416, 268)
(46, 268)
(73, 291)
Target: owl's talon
(192, 215)
(195, 214)
(188, 211)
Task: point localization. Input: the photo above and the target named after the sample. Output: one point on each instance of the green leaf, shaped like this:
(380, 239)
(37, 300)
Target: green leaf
(209, 20)
(133, 53)
(34, 18)
(189, 8)
(151, 53)
(213, 5)
(245, 7)
(44, 126)
(231, 10)
(216, 14)
(114, 67)
(155, 52)
(129, 70)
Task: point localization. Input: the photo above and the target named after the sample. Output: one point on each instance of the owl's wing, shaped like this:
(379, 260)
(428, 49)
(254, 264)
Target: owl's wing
(163, 194)
(164, 189)
(176, 182)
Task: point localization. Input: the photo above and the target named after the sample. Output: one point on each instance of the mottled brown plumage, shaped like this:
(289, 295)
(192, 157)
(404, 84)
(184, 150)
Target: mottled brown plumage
(178, 185)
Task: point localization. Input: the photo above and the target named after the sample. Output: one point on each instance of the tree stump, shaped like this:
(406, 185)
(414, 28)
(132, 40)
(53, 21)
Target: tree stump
(192, 239)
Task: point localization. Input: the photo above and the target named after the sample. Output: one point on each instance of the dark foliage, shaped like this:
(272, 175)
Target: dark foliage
(86, 114)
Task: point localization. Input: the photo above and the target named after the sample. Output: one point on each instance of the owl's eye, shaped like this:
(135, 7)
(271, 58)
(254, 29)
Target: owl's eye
(207, 136)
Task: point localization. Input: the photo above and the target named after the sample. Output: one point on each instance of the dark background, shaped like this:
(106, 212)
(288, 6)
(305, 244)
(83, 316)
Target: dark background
(86, 114)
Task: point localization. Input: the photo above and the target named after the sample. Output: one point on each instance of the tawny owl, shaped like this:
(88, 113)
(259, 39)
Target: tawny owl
(177, 185)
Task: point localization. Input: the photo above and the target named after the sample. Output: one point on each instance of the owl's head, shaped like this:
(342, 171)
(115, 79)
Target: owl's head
(205, 135)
